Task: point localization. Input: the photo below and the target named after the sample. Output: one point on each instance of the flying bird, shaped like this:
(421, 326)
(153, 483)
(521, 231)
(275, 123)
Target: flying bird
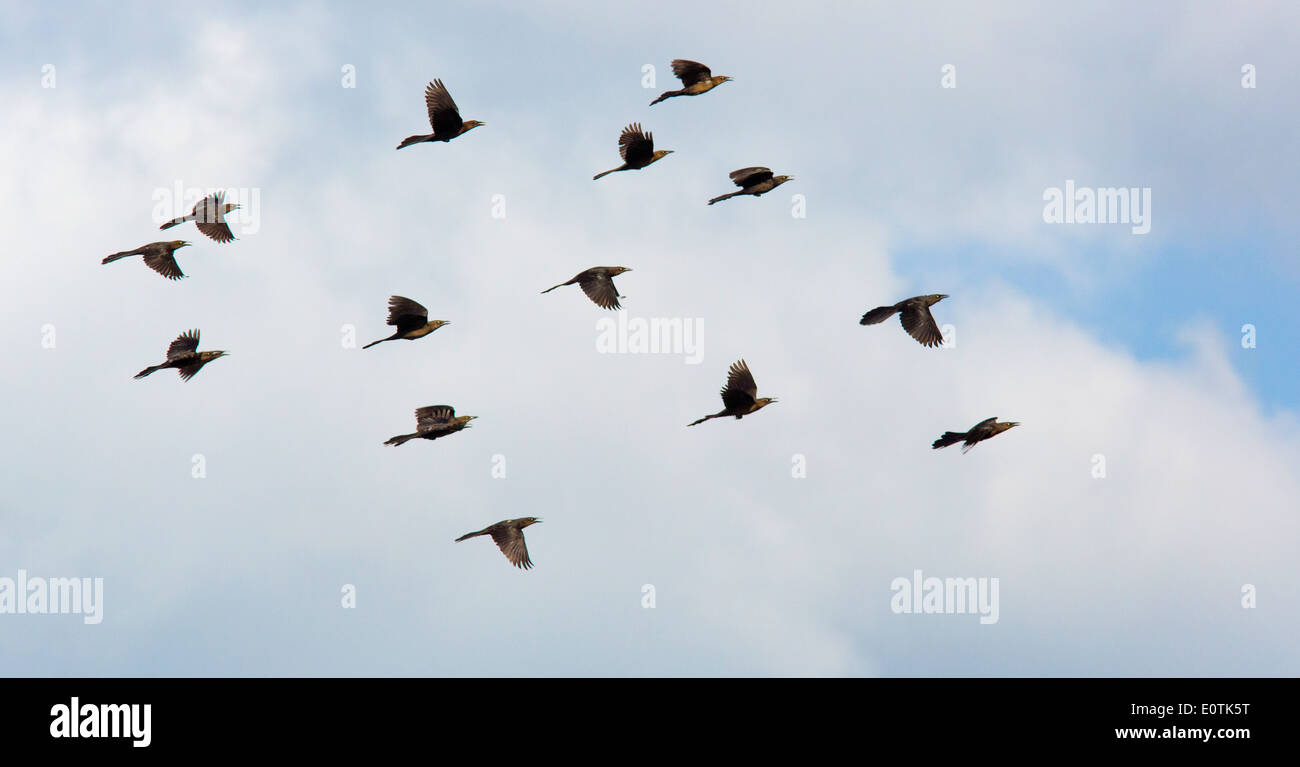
(740, 395)
(158, 256)
(210, 216)
(755, 181)
(598, 283)
(433, 422)
(695, 76)
(914, 313)
(637, 148)
(410, 319)
(183, 354)
(986, 429)
(508, 535)
(444, 117)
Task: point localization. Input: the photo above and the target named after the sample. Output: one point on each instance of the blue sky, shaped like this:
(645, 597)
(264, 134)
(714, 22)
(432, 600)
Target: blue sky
(1099, 341)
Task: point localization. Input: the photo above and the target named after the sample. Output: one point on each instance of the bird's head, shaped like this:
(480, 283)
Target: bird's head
(526, 521)
(435, 324)
(209, 356)
(779, 180)
(1007, 425)
(620, 269)
(464, 420)
(178, 244)
(934, 298)
(470, 125)
(661, 153)
(720, 79)
(230, 206)
(763, 402)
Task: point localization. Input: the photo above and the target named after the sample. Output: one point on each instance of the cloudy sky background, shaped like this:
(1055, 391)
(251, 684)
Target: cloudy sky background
(1097, 340)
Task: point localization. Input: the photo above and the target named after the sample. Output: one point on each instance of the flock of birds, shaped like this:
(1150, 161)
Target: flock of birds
(411, 320)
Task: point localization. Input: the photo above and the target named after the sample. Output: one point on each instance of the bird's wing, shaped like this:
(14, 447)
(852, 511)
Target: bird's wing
(635, 146)
(187, 372)
(750, 176)
(985, 422)
(434, 418)
(740, 391)
(209, 207)
(510, 540)
(219, 232)
(404, 310)
(690, 72)
(600, 289)
(184, 345)
(443, 114)
(920, 324)
(163, 263)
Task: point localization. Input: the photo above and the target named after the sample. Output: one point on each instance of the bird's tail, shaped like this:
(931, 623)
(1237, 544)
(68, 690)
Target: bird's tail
(702, 420)
(664, 95)
(949, 438)
(877, 315)
(724, 197)
(467, 536)
(177, 221)
(605, 173)
(372, 343)
(148, 370)
(116, 256)
(401, 439)
(411, 140)
(548, 290)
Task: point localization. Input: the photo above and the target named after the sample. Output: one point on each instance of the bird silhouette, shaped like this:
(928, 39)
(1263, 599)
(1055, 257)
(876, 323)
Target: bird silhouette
(508, 535)
(696, 79)
(444, 117)
(739, 396)
(914, 314)
(637, 148)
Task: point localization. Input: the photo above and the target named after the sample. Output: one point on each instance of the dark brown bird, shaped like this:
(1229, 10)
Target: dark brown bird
(598, 283)
(410, 319)
(183, 354)
(443, 116)
(986, 429)
(740, 395)
(637, 148)
(508, 534)
(433, 422)
(695, 76)
(755, 181)
(210, 216)
(158, 256)
(915, 315)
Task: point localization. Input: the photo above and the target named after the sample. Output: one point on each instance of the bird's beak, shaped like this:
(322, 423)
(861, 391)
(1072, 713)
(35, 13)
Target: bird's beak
(728, 79)
(1015, 423)
(943, 295)
(185, 244)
